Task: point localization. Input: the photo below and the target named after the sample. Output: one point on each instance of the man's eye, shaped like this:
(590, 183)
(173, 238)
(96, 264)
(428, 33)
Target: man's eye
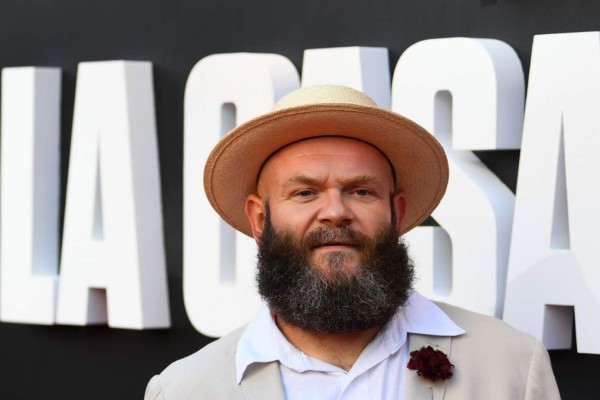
(362, 192)
(304, 193)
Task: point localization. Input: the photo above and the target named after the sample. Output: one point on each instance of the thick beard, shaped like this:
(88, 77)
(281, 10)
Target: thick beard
(339, 301)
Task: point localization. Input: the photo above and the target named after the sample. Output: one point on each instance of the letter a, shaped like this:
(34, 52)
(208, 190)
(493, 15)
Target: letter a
(553, 264)
(113, 258)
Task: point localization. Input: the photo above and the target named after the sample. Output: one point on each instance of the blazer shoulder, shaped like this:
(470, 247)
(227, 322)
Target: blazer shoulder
(494, 360)
(209, 372)
(486, 327)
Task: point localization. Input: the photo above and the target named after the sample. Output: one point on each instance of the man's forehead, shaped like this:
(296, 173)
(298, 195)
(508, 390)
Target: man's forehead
(324, 145)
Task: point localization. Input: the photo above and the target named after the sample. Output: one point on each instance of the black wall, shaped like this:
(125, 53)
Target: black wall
(101, 363)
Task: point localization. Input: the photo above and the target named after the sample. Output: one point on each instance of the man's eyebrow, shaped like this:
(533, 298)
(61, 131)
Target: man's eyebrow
(356, 180)
(303, 179)
(362, 179)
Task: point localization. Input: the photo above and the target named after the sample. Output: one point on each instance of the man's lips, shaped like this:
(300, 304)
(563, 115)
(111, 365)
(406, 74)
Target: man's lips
(332, 245)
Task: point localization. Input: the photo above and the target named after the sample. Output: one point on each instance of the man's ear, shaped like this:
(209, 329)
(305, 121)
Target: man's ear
(255, 212)
(399, 204)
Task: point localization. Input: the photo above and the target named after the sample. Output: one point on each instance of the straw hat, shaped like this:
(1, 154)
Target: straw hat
(420, 164)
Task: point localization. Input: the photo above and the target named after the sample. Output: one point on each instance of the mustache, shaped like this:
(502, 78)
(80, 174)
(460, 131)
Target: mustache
(340, 236)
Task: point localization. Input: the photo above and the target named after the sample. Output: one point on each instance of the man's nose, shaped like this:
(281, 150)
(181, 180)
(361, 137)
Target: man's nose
(335, 211)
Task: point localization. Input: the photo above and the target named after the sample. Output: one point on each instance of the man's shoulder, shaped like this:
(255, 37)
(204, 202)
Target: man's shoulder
(205, 372)
(491, 339)
(221, 351)
(494, 360)
(486, 328)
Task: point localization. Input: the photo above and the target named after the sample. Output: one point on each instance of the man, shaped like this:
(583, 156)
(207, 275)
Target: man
(326, 183)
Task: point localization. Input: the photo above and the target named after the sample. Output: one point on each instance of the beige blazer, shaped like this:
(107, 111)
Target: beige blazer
(491, 361)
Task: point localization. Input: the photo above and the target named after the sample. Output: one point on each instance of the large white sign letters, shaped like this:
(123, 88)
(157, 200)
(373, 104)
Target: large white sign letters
(528, 258)
(362, 68)
(218, 262)
(553, 265)
(469, 93)
(30, 194)
(113, 261)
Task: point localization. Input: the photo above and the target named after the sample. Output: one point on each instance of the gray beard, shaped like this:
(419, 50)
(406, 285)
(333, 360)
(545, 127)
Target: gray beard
(341, 300)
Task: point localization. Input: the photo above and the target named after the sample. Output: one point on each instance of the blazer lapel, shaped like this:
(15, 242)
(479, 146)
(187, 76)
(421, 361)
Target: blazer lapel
(419, 388)
(263, 382)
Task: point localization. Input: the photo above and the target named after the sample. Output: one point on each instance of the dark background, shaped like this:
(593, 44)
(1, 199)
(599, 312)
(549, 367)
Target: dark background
(101, 363)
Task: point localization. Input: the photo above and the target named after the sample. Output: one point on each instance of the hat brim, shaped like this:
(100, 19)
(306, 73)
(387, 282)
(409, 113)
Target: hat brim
(419, 161)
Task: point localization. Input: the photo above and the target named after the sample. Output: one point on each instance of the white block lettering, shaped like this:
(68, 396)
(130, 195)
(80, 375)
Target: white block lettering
(113, 261)
(363, 68)
(554, 250)
(222, 91)
(30, 194)
(469, 93)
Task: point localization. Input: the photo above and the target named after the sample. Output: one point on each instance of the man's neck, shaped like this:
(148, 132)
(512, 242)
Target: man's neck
(339, 349)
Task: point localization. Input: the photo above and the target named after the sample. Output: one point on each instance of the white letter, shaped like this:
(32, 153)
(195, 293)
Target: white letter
(469, 93)
(363, 68)
(219, 263)
(113, 252)
(30, 193)
(554, 250)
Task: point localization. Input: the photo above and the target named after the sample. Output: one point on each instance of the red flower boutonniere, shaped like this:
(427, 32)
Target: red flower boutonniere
(430, 363)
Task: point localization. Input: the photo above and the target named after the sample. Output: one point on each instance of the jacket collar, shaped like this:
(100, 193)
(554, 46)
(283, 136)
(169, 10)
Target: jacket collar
(263, 382)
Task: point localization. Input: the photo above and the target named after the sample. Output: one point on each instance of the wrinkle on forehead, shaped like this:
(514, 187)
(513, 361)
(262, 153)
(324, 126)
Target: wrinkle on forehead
(355, 180)
(314, 149)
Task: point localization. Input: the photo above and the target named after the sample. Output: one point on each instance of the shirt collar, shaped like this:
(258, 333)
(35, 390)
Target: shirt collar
(436, 322)
(263, 342)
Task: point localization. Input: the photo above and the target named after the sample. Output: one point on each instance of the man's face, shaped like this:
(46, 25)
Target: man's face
(327, 182)
(326, 220)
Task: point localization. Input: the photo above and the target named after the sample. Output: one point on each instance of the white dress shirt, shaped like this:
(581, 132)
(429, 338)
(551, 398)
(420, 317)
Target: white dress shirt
(378, 373)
